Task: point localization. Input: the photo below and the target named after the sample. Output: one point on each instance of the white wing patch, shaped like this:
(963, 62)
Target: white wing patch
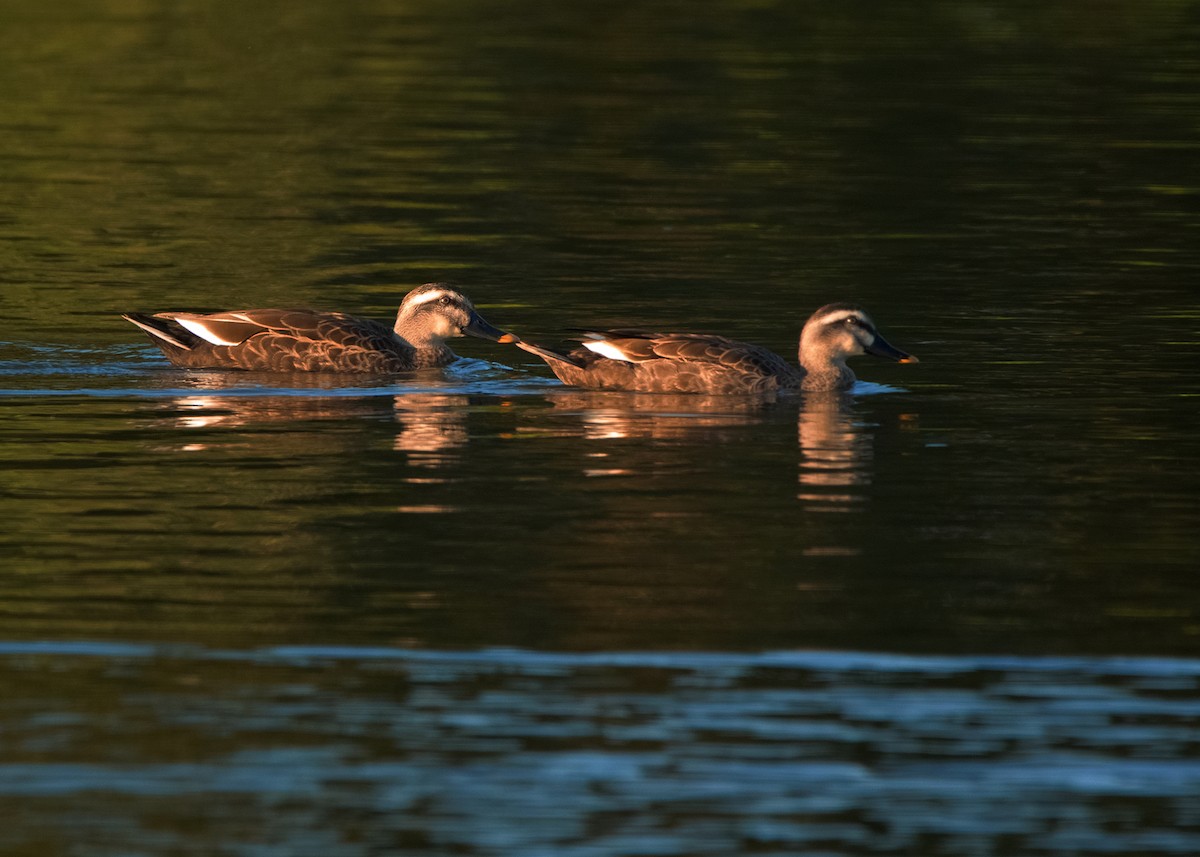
(607, 349)
(199, 328)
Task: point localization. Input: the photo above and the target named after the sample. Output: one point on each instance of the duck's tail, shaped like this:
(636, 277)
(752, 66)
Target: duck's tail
(162, 330)
(550, 355)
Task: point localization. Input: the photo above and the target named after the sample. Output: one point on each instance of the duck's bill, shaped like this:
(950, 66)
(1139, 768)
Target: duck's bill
(882, 348)
(479, 327)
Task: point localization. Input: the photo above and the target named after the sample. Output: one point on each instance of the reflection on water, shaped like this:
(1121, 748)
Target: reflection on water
(613, 416)
(434, 428)
(835, 446)
(203, 412)
(835, 454)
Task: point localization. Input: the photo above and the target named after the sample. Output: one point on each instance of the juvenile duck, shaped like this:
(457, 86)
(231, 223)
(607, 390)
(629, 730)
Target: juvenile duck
(301, 340)
(703, 363)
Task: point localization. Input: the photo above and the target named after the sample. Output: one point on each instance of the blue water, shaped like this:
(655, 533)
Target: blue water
(503, 751)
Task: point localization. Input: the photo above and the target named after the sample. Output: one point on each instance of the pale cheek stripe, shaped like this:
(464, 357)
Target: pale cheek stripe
(607, 349)
(198, 328)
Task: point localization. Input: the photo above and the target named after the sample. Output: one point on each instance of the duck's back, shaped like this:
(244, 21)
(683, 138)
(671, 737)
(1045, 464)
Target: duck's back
(284, 341)
(676, 363)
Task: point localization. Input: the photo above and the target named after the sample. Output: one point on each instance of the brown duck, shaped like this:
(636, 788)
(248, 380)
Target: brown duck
(301, 340)
(703, 363)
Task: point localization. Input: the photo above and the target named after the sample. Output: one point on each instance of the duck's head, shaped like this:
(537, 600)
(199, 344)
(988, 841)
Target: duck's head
(838, 331)
(436, 312)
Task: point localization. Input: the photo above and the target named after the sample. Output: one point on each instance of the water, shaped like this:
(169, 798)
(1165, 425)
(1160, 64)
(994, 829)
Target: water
(376, 750)
(953, 612)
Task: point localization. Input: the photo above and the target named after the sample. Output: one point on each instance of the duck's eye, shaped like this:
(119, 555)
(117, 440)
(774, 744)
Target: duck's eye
(445, 301)
(851, 321)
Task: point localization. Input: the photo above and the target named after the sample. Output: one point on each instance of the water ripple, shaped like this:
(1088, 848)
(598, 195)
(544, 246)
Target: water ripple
(501, 751)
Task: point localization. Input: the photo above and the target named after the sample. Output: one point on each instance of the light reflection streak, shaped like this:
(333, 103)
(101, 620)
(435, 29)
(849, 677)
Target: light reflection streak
(433, 427)
(835, 451)
(616, 416)
(835, 455)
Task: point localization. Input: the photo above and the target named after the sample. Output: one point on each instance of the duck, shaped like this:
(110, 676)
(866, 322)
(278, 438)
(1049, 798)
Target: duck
(644, 362)
(305, 340)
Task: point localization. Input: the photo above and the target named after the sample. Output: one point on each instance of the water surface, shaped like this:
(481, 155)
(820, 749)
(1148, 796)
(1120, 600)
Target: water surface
(954, 611)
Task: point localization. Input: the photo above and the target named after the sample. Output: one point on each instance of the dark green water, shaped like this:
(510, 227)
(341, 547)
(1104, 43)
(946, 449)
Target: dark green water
(473, 612)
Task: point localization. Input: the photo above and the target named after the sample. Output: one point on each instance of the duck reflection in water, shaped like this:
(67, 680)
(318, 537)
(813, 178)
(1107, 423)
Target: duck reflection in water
(835, 454)
(218, 411)
(661, 417)
(433, 427)
(836, 447)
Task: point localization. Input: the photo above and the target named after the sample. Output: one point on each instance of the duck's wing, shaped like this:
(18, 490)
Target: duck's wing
(225, 328)
(235, 327)
(637, 346)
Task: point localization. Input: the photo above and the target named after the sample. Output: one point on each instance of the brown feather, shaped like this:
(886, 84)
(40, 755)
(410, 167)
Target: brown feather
(672, 363)
(707, 363)
(296, 341)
